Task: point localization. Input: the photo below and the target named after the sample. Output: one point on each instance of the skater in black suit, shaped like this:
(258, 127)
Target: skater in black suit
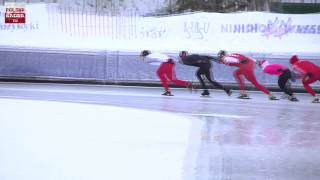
(204, 64)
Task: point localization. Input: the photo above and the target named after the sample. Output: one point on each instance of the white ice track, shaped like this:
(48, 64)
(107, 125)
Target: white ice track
(55, 131)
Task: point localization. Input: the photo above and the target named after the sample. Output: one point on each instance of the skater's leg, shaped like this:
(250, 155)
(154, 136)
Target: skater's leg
(171, 75)
(162, 77)
(249, 75)
(199, 74)
(306, 81)
(282, 82)
(208, 75)
(167, 74)
(238, 76)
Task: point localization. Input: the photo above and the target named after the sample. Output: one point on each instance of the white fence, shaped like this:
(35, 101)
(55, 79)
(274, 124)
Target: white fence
(88, 23)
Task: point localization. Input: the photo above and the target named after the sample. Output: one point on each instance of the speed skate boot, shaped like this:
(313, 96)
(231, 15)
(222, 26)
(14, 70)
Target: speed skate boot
(167, 93)
(293, 98)
(205, 93)
(316, 100)
(272, 97)
(229, 92)
(244, 96)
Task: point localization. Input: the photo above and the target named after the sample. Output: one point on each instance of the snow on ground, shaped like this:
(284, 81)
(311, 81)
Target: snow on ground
(53, 140)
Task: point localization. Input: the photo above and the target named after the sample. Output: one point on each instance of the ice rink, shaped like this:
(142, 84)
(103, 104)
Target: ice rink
(99, 132)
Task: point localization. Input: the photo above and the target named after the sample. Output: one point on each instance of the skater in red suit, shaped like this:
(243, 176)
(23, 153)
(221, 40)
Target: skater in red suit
(246, 69)
(310, 73)
(166, 71)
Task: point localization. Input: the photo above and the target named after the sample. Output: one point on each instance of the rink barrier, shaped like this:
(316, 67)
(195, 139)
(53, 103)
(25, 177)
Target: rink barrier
(112, 67)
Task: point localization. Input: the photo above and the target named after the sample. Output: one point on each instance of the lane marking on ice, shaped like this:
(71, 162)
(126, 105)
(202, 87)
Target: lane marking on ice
(221, 115)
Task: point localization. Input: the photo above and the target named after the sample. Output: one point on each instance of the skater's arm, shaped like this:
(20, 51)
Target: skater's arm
(156, 58)
(230, 61)
(212, 58)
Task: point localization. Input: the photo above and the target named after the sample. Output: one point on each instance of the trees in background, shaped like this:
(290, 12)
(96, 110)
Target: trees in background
(220, 5)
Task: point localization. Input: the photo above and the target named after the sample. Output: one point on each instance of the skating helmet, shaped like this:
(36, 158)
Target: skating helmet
(294, 59)
(222, 53)
(145, 53)
(183, 53)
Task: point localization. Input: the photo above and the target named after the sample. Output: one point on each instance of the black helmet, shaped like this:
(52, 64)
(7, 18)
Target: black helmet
(183, 53)
(222, 53)
(145, 53)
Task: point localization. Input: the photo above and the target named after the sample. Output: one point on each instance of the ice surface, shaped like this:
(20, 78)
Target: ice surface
(50, 131)
(53, 140)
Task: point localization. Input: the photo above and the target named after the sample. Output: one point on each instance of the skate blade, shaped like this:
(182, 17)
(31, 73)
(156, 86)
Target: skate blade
(274, 99)
(166, 95)
(244, 97)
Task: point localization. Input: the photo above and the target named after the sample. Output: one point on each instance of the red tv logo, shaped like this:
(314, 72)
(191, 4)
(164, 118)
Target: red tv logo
(15, 15)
